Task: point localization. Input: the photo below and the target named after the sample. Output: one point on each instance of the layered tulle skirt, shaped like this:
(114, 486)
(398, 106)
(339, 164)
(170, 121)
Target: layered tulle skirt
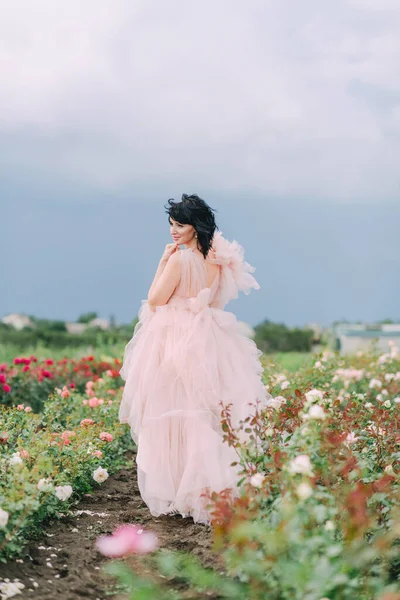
(184, 363)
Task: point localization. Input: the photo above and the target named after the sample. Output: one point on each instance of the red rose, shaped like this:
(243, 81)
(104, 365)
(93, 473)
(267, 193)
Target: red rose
(72, 385)
(17, 361)
(2, 378)
(26, 361)
(6, 388)
(26, 368)
(33, 358)
(47, 374)
(49, 361)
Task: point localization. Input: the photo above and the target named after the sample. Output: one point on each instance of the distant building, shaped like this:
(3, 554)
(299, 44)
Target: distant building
(350, 337)
(75, 328)
(18, 321)
(101, 323)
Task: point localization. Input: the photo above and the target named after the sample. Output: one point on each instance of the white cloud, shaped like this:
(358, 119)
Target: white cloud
(273, 96)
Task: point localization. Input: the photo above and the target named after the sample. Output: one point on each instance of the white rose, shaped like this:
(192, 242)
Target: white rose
(387, 404)
(63, 492)
(44, 485)
(284, 385)
(316, 412)
(15, 459)
(276, 402)
(304, 491)
(3, 517)
(329, 526)
(301, 464)
(389, 469)
(280, 377)
(257, 480)
(375, 383)
(314, 395)
(397, 400)
(100, 474)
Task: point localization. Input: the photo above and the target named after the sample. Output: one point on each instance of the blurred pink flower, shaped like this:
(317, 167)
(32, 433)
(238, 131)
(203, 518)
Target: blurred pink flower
(106, 437)
(2, 378)
(23, 454)
(67, 434)
(127, 539)
(93, 402)
(4, 437)
(6, 388)
(89, 384)
(87, 422)
(97, 453)
(28, 409)
(20, 406)
(65, 393)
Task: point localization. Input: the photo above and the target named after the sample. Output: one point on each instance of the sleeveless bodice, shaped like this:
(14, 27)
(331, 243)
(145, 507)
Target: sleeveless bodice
(192, 290)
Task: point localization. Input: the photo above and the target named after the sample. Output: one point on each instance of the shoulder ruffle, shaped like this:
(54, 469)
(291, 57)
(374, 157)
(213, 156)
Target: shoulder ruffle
(236, 272)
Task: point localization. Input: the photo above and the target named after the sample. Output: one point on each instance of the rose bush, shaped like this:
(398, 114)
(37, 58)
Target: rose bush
(49, 460)
(28, 379)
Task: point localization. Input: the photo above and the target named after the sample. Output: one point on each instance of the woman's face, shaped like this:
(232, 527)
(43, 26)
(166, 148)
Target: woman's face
(181, 233)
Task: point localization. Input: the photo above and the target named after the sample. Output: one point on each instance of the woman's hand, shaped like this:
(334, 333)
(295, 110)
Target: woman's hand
(169, 250)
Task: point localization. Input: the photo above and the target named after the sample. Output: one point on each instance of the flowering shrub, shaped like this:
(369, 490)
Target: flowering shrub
(51, 459)
(319, 513)
(30, 379)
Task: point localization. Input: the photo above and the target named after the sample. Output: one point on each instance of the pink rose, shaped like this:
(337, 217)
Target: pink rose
(65, 394)
(2, 378)
(87, 422)
(28, 409)
(20, 407)
(6, 388)
(106, 437)
(4, 436)
(93, 402)
(125, 540)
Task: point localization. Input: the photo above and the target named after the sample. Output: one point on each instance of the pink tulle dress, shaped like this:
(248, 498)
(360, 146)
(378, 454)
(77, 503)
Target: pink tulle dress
(183, 360)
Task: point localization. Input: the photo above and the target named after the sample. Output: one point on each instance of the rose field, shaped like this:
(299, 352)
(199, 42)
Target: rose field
(318, 516)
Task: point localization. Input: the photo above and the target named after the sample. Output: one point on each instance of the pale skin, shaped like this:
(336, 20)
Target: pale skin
(168, 272)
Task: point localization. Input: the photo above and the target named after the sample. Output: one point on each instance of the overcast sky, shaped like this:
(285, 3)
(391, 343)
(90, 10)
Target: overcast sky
(283, 115)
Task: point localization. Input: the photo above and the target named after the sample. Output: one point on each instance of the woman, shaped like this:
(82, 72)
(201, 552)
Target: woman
(187, 359)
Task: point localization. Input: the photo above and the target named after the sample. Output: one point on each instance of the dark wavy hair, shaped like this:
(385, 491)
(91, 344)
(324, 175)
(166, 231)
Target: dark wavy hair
(192, 210)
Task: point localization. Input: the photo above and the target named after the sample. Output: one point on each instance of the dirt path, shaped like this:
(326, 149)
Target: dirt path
(63, 561)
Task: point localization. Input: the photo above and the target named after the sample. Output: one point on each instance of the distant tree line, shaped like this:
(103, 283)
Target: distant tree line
(277, 337)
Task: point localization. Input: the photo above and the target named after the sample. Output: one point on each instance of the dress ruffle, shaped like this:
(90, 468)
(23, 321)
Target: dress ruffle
(236, 272)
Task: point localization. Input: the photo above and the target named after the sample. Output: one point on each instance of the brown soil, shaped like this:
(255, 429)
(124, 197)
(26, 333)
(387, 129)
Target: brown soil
(74, 569)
